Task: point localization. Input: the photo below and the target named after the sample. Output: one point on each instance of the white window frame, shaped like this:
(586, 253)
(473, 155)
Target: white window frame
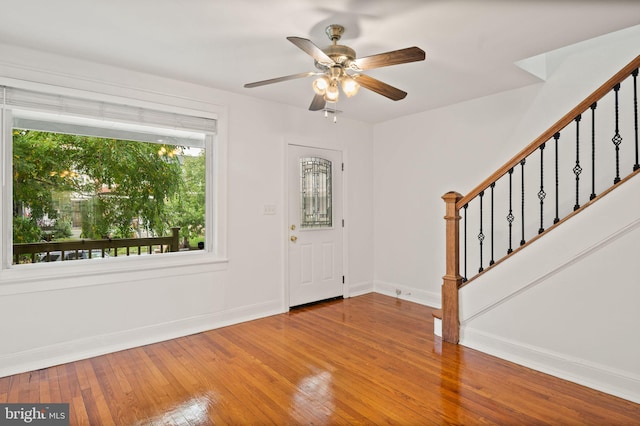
(214, 254)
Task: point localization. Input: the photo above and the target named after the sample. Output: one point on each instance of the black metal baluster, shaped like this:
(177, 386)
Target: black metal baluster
(636, 166)
(617, 139)
(522, 163)
(491, 262)
(557, 218)
(541, 193)
(510, 217)
(577, 169)
(481, 234)
(593, 150)
(464, 278)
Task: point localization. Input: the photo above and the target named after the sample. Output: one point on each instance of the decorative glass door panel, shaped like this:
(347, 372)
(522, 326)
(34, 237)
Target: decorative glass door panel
(315, 193)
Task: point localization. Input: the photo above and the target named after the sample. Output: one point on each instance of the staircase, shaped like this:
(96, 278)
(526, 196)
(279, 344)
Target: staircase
(569, 200)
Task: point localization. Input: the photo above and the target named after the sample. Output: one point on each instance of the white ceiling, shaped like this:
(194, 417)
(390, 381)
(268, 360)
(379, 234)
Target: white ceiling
(471, 45)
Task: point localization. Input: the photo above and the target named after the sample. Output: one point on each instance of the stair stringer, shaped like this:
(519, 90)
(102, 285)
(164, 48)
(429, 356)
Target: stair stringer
(569, 303)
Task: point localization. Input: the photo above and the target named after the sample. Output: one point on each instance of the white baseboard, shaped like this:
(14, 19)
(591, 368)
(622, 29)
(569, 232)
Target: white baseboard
(359, 289)
(412, 294)
(603, 378)
(75, 350)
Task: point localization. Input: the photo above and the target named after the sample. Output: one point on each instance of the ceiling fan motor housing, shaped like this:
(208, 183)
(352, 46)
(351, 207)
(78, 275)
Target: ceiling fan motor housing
(339, 54)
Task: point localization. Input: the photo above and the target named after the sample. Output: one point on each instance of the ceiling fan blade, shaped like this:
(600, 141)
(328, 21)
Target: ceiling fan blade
(318, 103)
(279, 79)
(311, 49)
(395, 57)
(379, 87)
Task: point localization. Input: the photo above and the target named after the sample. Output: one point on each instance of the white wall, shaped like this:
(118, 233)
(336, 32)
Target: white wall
(419, 158)
(48, 321)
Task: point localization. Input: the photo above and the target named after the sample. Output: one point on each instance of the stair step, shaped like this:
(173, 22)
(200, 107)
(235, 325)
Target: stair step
(437, 322)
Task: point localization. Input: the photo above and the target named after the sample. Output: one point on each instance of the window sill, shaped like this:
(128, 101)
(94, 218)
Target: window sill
(85, 273)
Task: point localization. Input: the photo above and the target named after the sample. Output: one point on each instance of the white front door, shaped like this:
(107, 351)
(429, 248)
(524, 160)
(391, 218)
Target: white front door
(315, 224)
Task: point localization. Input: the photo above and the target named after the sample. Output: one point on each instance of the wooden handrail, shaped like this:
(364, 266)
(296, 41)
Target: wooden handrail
(548, 134)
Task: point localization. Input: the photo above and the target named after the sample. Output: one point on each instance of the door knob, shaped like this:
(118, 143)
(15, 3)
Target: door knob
(294, 238)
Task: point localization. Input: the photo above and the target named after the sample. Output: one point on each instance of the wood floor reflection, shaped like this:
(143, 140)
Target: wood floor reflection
(371, 359)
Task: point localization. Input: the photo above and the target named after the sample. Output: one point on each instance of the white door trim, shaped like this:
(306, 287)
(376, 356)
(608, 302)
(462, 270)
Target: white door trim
(285, 217)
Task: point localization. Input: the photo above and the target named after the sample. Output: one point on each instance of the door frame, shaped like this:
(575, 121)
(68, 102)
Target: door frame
(285, 216)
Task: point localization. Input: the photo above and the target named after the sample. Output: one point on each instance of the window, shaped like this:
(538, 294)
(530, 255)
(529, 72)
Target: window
(94, 179)
(315, 193)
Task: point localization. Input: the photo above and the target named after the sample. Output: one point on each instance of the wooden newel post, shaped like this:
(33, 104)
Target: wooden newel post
(452, 279)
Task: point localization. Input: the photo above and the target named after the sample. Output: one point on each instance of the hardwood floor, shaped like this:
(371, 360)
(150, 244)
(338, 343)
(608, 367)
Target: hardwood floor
(371, 359)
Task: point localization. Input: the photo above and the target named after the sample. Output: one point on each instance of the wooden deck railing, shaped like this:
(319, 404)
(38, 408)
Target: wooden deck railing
(456, 253)
(87, 249)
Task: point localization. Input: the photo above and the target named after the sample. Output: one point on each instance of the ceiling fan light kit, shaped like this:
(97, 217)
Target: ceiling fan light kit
(320, 85)
(349, 86)
(339, 68)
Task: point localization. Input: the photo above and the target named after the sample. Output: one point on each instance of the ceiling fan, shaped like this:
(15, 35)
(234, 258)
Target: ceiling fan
(339, 67)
